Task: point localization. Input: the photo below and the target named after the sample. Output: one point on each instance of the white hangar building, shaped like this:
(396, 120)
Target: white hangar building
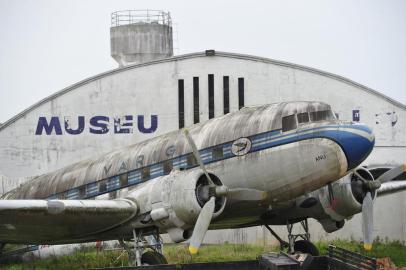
(154, 92)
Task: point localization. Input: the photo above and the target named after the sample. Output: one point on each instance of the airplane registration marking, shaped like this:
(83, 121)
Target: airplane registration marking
(320, 157)
(260, 142)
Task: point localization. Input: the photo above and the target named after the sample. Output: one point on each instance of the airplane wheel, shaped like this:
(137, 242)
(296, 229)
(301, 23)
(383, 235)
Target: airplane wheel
(305, 246)
(153, 258)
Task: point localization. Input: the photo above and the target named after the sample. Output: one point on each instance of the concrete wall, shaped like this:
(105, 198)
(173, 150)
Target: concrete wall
(152, 89)
(141, 42)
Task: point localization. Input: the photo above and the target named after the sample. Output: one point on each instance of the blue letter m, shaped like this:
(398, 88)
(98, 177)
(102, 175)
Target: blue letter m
(53, 124)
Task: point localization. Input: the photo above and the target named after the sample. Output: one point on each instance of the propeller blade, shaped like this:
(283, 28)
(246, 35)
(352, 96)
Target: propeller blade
(367, 220)
(360, 176)
(197, 156)
(246, 194)
(201, 226)
(392, 174)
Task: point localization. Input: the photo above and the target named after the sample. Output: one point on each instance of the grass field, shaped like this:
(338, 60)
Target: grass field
(211, 253)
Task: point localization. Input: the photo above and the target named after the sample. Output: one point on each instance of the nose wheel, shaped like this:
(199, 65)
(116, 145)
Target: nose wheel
(305, 246)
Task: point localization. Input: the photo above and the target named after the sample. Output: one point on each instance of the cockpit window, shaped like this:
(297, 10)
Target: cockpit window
(302, 117)
(288, 123)
(321, 115)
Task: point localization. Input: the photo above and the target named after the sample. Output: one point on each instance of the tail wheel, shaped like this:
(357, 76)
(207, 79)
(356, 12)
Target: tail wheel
(305, 246)
(153, 258)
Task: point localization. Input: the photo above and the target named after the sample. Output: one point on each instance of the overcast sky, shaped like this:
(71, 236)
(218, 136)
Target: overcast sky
(48, 45)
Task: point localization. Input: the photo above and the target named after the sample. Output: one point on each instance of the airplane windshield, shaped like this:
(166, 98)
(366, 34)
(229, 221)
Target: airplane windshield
(289, 122)
(302, 117)
(321, 116)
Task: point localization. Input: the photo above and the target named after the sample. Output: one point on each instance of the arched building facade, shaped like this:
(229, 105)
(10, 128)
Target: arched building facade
(130, 104)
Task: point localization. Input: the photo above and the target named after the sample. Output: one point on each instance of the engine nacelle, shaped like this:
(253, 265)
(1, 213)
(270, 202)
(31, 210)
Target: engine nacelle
(179, 235)
(173, 202)
(338, 201)
(343, 199)
(330, 225)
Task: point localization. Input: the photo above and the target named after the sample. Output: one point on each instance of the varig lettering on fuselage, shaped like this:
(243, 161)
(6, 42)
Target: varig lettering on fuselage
(95, 125)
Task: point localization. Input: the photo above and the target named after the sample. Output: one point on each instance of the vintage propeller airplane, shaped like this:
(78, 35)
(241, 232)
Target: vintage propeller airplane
(263, 165)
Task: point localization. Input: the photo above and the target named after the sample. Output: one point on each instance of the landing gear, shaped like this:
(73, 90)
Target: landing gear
(153, 258)
(306, 246)
(145, 249)
(303, 245)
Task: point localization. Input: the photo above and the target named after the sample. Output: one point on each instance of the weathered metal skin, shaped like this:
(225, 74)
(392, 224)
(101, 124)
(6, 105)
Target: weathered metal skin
(332, 207)
(286, 164)
(248, 121)
(331, 210)
(69, 219)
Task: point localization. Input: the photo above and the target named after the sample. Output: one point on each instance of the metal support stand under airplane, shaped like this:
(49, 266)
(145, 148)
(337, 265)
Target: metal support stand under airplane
(283, 244)
(137, 254)
(293, 244)
(293, 237)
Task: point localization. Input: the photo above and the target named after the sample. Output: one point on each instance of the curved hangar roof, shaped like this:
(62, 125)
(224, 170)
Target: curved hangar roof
(204, 54)
(134, 103)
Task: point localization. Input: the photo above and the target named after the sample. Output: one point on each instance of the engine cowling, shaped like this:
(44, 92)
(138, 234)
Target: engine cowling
(343, 199)
(173, 202)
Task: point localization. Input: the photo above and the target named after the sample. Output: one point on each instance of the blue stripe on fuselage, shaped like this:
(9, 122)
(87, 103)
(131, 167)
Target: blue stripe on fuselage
(353, 147)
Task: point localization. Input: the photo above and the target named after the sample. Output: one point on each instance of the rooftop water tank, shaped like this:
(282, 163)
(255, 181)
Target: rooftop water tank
(138, 36)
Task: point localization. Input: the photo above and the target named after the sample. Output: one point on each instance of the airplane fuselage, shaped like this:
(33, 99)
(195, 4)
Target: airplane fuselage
(285, 149)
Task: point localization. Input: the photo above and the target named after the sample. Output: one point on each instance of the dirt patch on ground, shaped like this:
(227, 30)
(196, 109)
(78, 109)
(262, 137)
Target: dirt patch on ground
(387, 264)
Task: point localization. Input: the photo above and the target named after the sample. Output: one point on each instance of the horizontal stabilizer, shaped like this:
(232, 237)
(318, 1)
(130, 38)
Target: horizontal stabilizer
(59, 221)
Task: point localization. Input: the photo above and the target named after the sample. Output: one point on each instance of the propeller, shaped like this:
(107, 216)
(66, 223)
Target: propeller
(367, 221)
(206, 214)
(242, 194)
(391, 174)
(202, 225)
(363, 187)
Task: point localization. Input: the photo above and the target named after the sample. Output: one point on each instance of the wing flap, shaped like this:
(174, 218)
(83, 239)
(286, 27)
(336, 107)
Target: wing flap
(46, 222)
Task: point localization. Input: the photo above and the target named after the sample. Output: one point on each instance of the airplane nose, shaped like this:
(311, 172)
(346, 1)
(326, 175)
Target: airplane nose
(357, 142)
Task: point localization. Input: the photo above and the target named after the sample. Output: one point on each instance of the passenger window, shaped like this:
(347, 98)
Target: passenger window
(145, 174)
(82, 192)
(191, 160)
(288, 123)
(103, 186)
(168, 166)
(302, 117)
(123, 180)
(217, 152)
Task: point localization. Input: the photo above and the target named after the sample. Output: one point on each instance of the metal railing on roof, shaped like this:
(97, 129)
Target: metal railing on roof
(125, 17)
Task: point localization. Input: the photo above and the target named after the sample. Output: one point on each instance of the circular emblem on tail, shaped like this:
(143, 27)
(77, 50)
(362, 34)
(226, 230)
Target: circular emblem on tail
(241, 146)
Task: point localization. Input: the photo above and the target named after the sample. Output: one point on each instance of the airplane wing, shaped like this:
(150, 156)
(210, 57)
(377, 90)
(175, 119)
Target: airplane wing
(42, 220)
(392, 187)
(393, 180)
